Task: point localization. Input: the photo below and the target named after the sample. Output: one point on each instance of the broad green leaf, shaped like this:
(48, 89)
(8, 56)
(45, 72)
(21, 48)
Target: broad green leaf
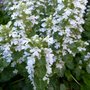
(62, 87)
(88, 69)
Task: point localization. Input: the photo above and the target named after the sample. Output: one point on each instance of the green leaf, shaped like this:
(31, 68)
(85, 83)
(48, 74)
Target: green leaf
(86, 79)
(54, 82)
(62, 87)
(88, 69)
(3, 63)
(1, 88)
(6, 74)
(68, 74)
(85, 87)
(40, 71)
(77, 71)
(69, 61)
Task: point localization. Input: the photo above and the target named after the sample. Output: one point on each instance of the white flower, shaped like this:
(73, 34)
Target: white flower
(14, 15)
(14, 41)
(87, 56)
(35, 52)
(42, 29)
(49, 62)
(30, 69)
(49, 69)
(23, 41)
(13, 64)
(61, 33)
(59, 1)
(49, 40)
(15, 71)
(7, 53)
(59, 6)
(73, 22)
(13, 34)
(31, 61)
(49, 56)
(57, 45)
(81, 49)
(68, 31)
(28, 11)
(43, 24)
(33, 19)
(60, 65)
(19, 23)
(68, 11)
(1, 39)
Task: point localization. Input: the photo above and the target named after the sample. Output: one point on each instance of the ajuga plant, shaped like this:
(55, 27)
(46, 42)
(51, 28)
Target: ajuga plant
(42, 41)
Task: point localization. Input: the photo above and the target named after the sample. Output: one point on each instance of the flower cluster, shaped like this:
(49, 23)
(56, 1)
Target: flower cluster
(41, 30)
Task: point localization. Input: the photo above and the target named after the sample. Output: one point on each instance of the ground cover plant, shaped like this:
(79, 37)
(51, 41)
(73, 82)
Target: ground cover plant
(44, 45)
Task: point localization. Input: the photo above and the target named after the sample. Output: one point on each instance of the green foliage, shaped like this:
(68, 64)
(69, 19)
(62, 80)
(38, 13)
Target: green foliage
(62, 87)
(40, 67)
(4, 17)
(86, 33)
